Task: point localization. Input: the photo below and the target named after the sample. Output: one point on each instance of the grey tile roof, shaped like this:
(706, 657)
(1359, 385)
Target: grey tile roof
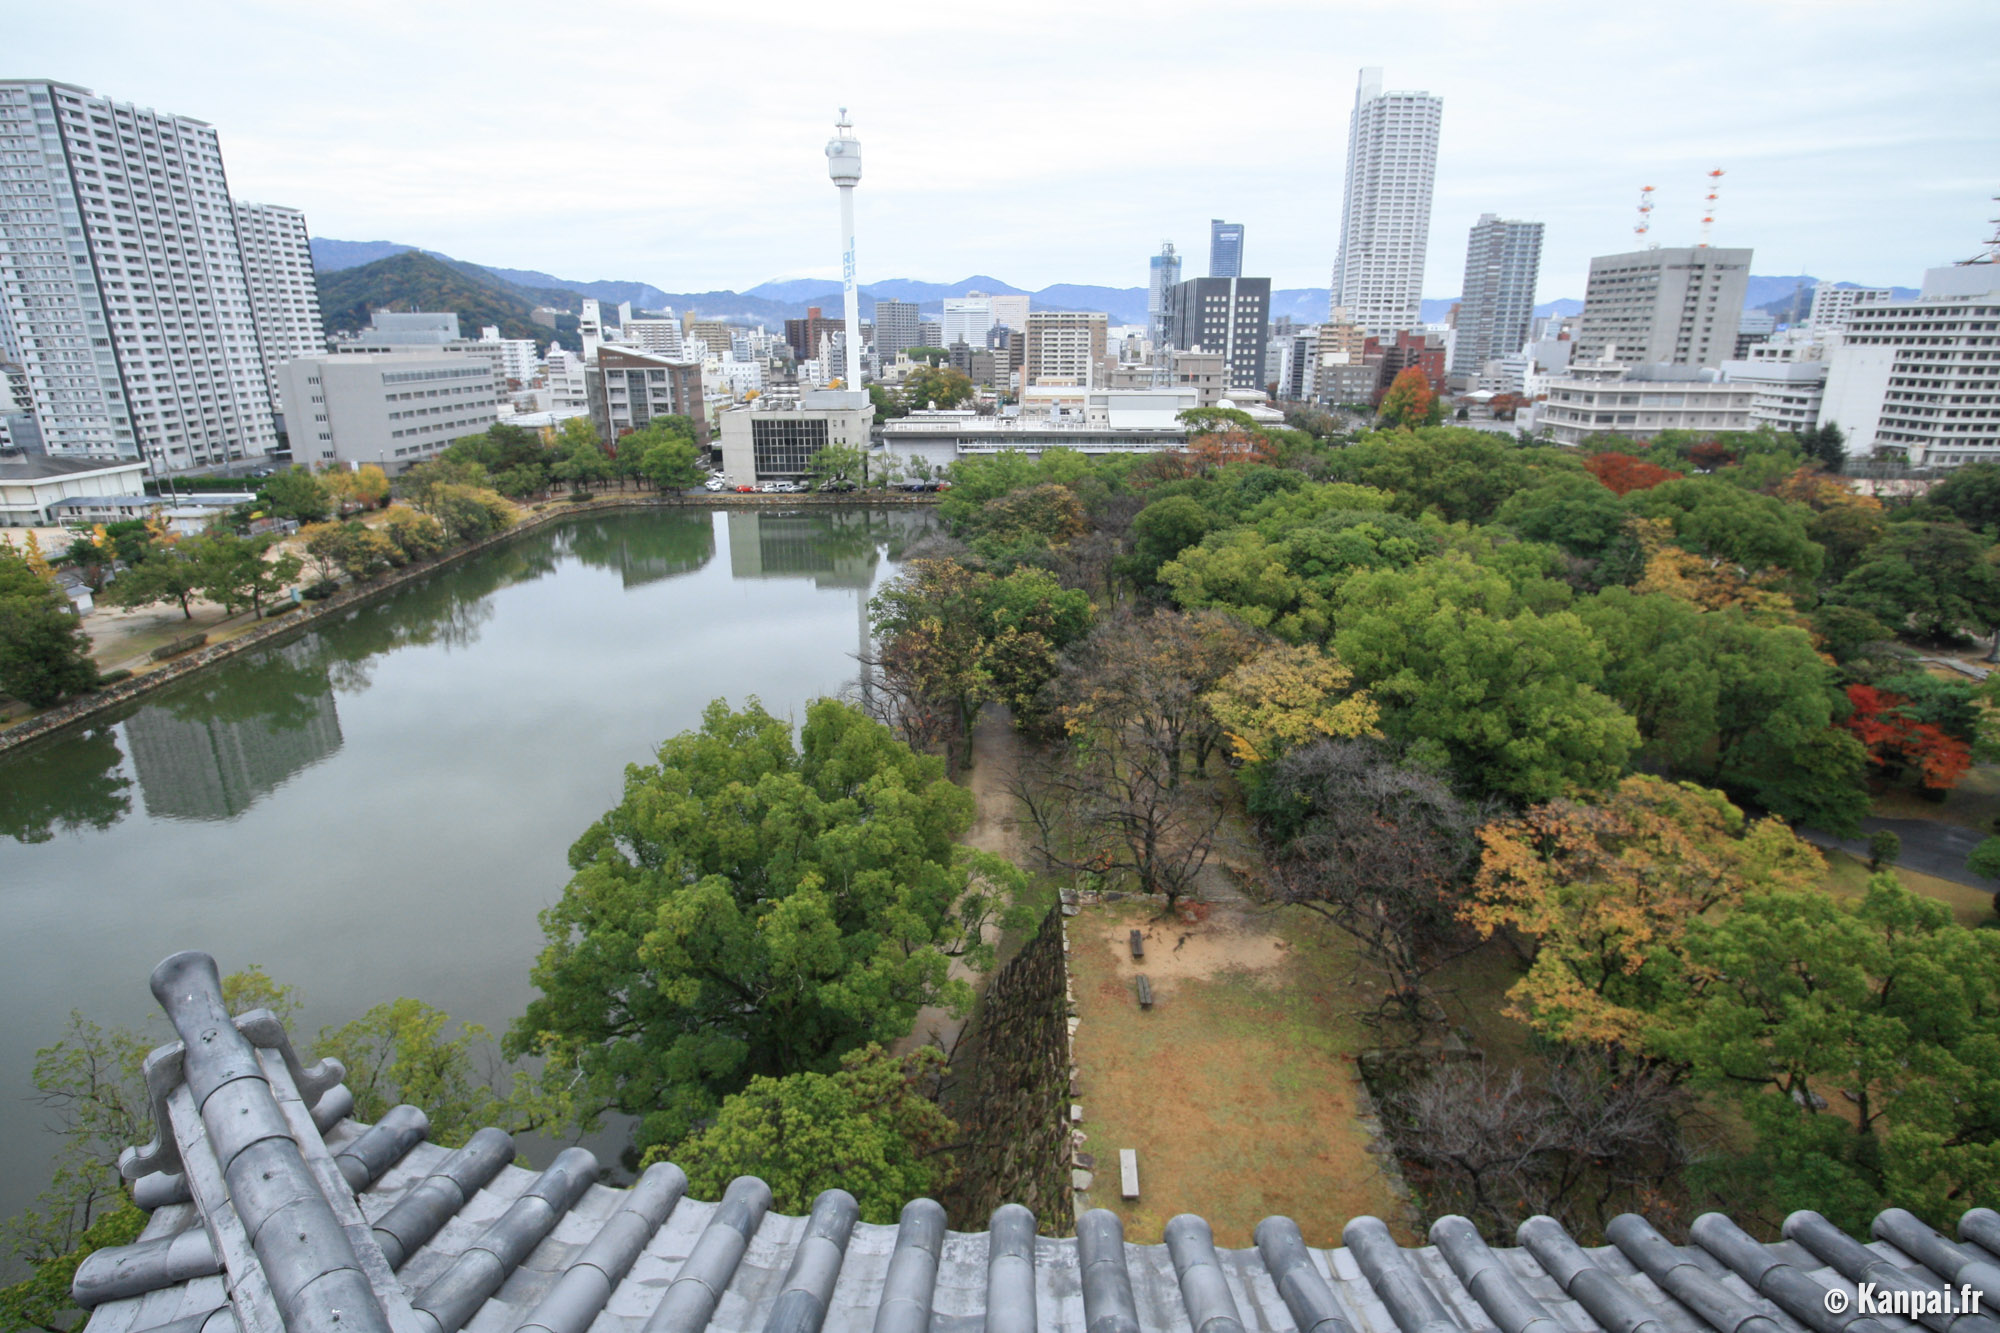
(273, 1209)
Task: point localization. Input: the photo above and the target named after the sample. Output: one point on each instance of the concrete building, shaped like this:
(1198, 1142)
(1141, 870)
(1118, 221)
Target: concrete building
(1667, 306)
(716, 333)
(1064, 346)
(1010, 311)
(33, 488)
(1788, 393)
(629, 388)
(662, 336)
(1833, 305)
(1502, 259)
(967, 319)
(1602, 397)
(123, 281)
(284, 299)
(805, 336)
(392, 409)
(1753, 327)
(774, 439)
(1921, 378)
(1225, 249)
(1385, 216)
(1163, 270)
(518, 362)
(897, 330)
(928, 442)
(409, 328)
(1226, 315)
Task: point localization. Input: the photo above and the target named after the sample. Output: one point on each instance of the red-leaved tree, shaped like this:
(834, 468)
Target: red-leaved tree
(1625, 474)
(1709, 455)
(1899, 742)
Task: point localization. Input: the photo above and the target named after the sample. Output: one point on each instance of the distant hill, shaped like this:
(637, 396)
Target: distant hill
(329, 256)
(415, 280)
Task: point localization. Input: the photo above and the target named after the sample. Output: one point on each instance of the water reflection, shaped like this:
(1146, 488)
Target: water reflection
(835, 548)
(65, 787)
(212, 750)
(447, 609)
(670, 545)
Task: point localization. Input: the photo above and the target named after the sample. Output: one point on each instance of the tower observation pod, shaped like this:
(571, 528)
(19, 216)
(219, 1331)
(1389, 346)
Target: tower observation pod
(843, 163)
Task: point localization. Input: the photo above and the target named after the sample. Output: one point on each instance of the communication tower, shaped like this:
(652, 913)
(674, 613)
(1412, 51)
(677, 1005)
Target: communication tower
(843, 164)
(1708, 205)
(1645, 223)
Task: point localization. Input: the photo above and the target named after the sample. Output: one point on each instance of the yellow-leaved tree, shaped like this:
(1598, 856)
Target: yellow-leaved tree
(1288, 696)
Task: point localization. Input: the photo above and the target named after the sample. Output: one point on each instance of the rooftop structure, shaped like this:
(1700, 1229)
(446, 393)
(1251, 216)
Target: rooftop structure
(273, 1210)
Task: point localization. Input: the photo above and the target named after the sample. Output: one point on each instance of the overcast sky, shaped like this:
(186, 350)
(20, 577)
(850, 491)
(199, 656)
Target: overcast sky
(681, 144)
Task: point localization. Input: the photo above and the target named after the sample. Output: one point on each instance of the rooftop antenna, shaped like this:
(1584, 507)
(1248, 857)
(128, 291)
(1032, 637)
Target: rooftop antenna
(1645, 223)
(1708, 205)
(1991, 254)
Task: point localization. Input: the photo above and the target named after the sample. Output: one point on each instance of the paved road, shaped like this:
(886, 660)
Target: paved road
(1929, 846)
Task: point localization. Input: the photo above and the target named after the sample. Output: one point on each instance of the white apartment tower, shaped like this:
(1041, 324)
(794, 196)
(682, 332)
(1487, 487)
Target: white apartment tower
(124, 281)
(1668, 306)
(284, 300)
(1502, 259)
(1385, 217)
(1921, 377)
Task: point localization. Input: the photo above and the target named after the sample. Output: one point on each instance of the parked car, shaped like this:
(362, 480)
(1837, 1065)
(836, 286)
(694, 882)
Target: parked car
(769, 488)
(715, 484)
(746, 490)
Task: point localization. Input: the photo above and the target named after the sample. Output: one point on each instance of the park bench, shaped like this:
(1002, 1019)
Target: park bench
(1145, 993)
(1138, 947)
(1128, 1173)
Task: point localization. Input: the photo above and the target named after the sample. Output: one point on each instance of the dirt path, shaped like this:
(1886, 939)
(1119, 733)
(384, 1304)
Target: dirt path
(996, 757)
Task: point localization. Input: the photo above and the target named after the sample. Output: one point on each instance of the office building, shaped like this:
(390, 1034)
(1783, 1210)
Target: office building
(1787, 391)
(518, 362)
(1064, 347)
(897, 330)
(390, 408)
(123, 281)
(1679, 306)
(1753, 327)
(1921, 378)
(717, 334)
(1225, 249)
(1385, 215)
(627, 389)
(1010, 312)
(1502, 259)
(1640, 401)
(652, 335)
(1163, 270)
(967, 319)
(1226, 315)
(805, 336)
(284, 299)
(1834, 305)
(774, 439)
(409, 328)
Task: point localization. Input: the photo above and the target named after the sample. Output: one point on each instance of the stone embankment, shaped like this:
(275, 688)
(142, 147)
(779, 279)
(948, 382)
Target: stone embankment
(271, 632)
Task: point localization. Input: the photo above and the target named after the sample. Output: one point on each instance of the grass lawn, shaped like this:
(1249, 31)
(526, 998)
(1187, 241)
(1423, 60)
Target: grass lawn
(1847, 877)
(1974, 803)
(1238, 1088)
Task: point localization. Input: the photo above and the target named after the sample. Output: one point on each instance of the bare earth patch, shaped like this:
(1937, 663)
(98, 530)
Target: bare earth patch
(1238, 1088)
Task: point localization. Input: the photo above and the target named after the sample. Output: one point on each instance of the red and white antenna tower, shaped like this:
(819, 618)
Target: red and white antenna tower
(1645, 223)
(1708, 205)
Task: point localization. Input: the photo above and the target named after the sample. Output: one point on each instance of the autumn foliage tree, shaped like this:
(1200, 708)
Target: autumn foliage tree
(1708, 455)
(1899, 742)
(1408, 402)
(1601, 897)
(1625, 474)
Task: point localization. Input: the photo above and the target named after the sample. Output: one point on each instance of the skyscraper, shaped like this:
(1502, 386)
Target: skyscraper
(1679, 306)
(895, 330)
(1164, 271)
(1225, 249)
(1226, 315)
(1385, 216)
(124, 280)
(1501, 262)
(284, 299)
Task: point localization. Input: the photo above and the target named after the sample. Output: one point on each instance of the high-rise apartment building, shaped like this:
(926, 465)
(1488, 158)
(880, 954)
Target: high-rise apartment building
(124, 281)
(1010, 311)
(1833, 306)
(896, 330)
(1163, 270)
(1921, 377)
(1064, 347)
(1502, 259)
(284, 299)
(1226, 315)
(1663, 307)
(967, 319)
(1225, 249)
(1385, 215)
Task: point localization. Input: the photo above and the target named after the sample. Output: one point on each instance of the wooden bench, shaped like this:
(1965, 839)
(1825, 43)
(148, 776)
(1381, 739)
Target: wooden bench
(1128, 1173)
(1138, 947)
(1145, 993)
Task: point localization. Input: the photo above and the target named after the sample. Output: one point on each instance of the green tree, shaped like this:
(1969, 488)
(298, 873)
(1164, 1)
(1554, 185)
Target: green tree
(1825, 444)
(1408, 402)
(1756, 533)
(888, 406)
(1460, 666)
(1972, 493)
(931, 356)
(581, 460)
(44, 653)
(754, 907)
(1930, 579)
(168, 575)
(1161, 531)
(869, 1129)
(671, 464)
(296, 493)
(1985, 859)
(1883, 849)
(938, 386)
(417, 536)
(838, 464)
(468, 513)
(1461, 474)
(234, 572)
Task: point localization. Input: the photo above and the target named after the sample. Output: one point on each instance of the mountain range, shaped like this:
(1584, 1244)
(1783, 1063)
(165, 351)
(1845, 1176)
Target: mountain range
(340, 263)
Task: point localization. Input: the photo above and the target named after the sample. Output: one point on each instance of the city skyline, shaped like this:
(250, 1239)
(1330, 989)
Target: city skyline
(1871, 186)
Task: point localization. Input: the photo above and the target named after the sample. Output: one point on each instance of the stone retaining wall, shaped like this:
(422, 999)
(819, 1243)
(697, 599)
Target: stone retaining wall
(1013, 1104)
(268, 633)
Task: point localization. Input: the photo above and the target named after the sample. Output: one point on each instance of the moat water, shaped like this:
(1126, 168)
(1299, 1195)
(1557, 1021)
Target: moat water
(382, 806)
